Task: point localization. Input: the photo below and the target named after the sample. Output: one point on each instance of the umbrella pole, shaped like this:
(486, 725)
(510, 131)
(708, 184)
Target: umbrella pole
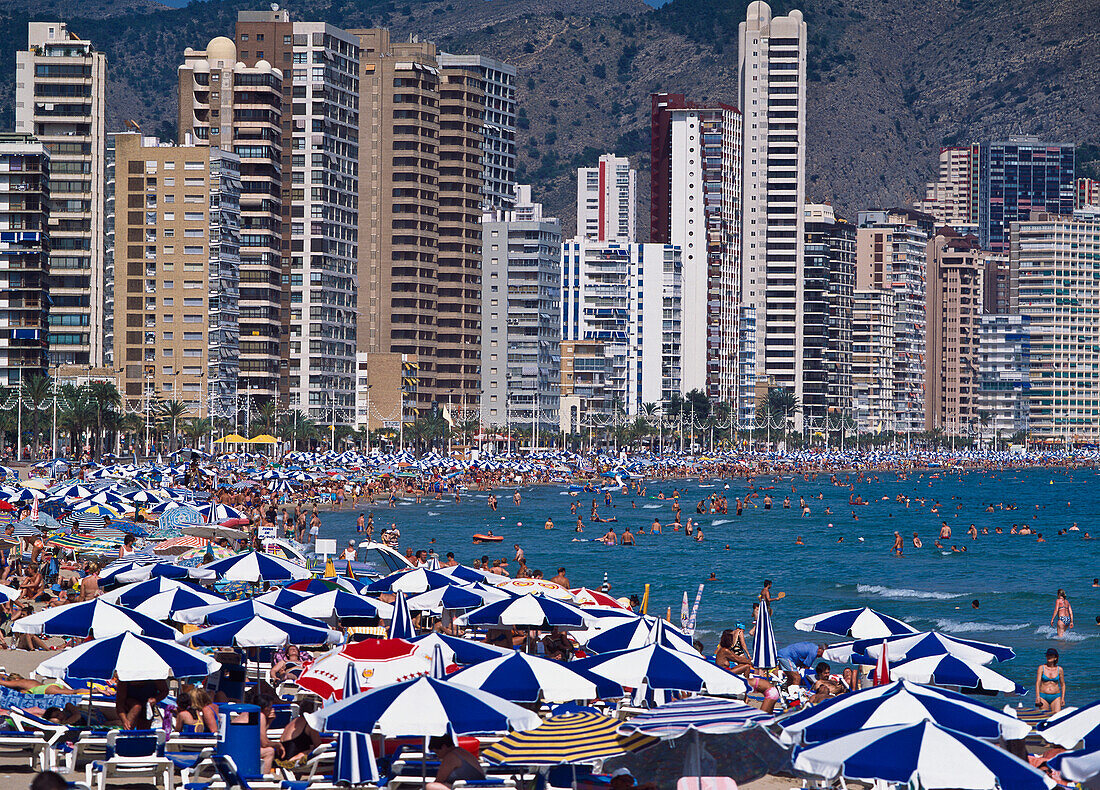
(424, 764)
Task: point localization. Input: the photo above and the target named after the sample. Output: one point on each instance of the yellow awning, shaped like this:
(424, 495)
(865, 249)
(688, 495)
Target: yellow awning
(263, 438)
(231, 438)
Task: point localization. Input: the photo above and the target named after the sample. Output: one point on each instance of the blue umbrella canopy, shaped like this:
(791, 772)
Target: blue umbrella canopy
(531, 611)
(466, 651)
(340, 604)
(426, 707)
(401, 624)
(523, 678)
(133, 594)
(414, 581)
(355, 762)
(764, 653)
(255, 567)
(1069, 729)
(861, 623)
(230, 611)
(900, 702)
(906, 647)
(96, 618)
(698, 713)
(921, 755)
(639, 631)
(261, 632)
(658, 667)
(129, 657)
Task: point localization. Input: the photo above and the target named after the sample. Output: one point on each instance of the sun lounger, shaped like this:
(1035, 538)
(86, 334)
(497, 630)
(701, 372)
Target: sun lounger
(133, 753)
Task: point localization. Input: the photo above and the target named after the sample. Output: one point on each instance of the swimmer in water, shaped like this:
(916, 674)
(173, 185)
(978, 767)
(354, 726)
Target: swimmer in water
(897, 544)
(917, 541)
(798, 541)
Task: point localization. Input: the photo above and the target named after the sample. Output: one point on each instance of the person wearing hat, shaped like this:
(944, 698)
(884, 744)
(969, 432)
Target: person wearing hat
(349, 553)
(622, 779)
(1050, 684)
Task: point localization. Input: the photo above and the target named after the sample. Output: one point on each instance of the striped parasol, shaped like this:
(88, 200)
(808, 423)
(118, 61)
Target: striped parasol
(567, 739)
(764, 652)
(181, 545)
(73, 542)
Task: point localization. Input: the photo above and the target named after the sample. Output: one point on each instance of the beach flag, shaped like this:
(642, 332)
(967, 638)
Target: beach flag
(882, 668)
(350, 572)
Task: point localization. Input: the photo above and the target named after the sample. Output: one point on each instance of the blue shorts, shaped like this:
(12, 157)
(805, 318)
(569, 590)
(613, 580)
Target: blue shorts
(787, 665)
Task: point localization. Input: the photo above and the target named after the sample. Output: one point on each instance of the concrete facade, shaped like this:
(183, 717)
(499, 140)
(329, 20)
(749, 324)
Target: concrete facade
(177, 271)
(953, 197)
(1020, 175)
(772, 97)
(606, 197)
(873, 360)
(1004, 374)
(60, 98)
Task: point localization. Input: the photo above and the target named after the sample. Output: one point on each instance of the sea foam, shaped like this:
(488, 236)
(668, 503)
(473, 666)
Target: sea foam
(956, 627)
(893, 592)
(1052, 633)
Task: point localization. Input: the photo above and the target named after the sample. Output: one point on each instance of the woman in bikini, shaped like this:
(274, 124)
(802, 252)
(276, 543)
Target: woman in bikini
(732, 655)
(1050, 684)
(1062, 618)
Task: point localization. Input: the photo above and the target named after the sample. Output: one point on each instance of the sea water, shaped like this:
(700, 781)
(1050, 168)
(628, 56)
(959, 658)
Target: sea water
(1014, 578)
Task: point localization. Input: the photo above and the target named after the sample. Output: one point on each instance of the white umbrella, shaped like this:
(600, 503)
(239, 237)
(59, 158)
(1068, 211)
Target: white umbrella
(129, 657)
(522, 678)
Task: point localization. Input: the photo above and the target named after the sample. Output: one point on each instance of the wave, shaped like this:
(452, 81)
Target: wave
(1070, 636)
(434, 513)
(721, 521)
(956, 627)
(892, 592)
(650, 507)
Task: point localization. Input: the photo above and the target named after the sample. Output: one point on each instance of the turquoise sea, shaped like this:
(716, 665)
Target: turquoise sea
(1014, 578)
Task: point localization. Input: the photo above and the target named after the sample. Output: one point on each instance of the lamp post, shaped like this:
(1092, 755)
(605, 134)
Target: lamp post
(368, 417)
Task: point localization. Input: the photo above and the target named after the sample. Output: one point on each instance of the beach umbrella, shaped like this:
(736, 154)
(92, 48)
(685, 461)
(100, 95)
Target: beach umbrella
(213, 532)
(255, 567)
(315, 586)
(530, 611)
(660, 668)
(339, 604)
(929, 643)
(71, 491)
(862, 623)
(8, 593)
(901, 702)
(1070, 728)
(951, 671)
(534, 587)
(920, 755)
(129, 657)
(639, 631)
(108, 576)
(163, 570)
(415, 581)
(764, 653)
(425, 707)
(465, 651)
(464, 573)
(133, 594)
(1079, 766)
(261, 632)
(96, 618)
(355, 763)
(523, 678)
(223, 612)
(695, 713)
(567, 739)
(164, 605)
(180, 544)
(401, 624)
(586, 597)
(282, 598)
(214, 513)
(882, 667)
(373, 662)
(450, 597)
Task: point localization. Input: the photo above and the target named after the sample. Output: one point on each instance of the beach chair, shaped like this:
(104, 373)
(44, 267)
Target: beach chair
(87, 745)
(49, 733)
(133, 753)
(226, 775)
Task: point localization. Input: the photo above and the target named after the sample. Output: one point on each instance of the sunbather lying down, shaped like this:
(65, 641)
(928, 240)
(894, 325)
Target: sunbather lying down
(28, 686)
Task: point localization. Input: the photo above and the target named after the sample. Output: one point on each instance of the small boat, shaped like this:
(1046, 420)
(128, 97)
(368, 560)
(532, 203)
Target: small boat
(487, 538)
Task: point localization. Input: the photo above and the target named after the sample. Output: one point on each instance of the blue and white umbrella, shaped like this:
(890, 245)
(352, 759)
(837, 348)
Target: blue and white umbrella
(71, 491)
(110, 573)
(164, 570)
(639, 631)
(401, 624)
(764, 653)
(928, 643)
(261, 632)
(214, 513)
(282, 598)
(900, 702)
(1070, 728)
(699, 713)
(341, 604)
(530, 611)
(920, 755)
(466, 651)
(255, 567)
(133, 594)
(523, 678)
(1079, 766)
(463, 573)
(223, 612)
(449, 597)
(96, 619)
(862, 623)
(660, 668)
(412, 582)
(165, 605)
(426, 707)
(355, 763)
(129, 657)
(951, 671)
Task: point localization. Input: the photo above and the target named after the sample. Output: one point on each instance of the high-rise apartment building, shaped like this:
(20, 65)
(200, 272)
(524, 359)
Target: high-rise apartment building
(954, 307)
(996, 282)
(628, 297)
(891, 254)
(771, 64)
(585, 396)
(873, 360)
(605, 201)
(1004, 375)
(694, 205)
(1053, 259)
(498, 129)
(60, 98)
(830, 271)
(953, 197)
(1020, 175)
(24, 258)
(1086, 193)
(320, 117)
(521, 315)
(228, 105)
(177, 273)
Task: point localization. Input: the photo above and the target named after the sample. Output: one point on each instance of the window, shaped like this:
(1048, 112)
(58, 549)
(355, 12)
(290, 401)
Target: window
(192, 250)
(192, 301)
(190, 318)
(169, 216)
(193, 199)
(193, 166)
(169, 301)
(191, 336)
(169, 233)
(167, 335)
(192, 371)
(169, 198)
(194, 182)
(169, 284)
(193, 216)
(192, 283)
(168, 318)
(167, 352)
(192, 352)
(193, 233)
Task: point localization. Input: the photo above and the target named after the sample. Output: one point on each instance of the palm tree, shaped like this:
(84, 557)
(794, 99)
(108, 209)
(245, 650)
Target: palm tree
(75, 414)
(297, 426)
(104, 397)
(196, 428)
(170, 413)
(36, 402)
(266, 417)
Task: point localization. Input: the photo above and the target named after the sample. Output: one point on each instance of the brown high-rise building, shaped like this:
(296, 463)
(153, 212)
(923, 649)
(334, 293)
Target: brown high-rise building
(956, 269)
(225, 104)
(424, 158)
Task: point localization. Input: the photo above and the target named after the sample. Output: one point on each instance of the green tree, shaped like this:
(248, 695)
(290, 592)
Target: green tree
(37, 400)
(196, 429)
(170, 413)
(103, 397)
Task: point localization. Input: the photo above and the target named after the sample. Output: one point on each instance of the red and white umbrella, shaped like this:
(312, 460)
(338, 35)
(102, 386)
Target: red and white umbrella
(181, 544)
(376, 662)
(882, 668)
(586, 597)
(536, 587)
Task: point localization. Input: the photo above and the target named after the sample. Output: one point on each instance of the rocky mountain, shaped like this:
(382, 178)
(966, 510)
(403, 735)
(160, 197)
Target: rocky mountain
(890, 82)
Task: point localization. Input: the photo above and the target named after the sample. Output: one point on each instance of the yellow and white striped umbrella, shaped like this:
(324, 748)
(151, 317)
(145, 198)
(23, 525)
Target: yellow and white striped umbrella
(567, 739)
